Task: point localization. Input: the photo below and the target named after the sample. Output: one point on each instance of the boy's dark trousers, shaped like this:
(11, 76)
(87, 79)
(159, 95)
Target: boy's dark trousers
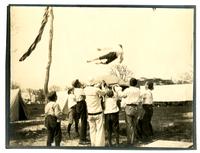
(146, 121)
(54, 133)
(81, 110)
(75, 119)
(112, 125)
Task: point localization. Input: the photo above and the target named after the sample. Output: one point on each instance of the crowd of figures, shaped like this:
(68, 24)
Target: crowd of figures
(97, 105)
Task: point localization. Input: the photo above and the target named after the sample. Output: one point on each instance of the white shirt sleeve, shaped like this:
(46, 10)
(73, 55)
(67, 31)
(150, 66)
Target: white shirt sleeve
(123, 94)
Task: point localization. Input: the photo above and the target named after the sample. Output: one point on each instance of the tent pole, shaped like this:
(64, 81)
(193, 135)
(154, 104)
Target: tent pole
(49, 55)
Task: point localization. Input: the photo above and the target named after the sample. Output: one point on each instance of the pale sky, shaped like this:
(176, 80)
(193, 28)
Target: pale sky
(156, 43)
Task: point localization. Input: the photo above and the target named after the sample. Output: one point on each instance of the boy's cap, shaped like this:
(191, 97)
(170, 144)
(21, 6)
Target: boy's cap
(110, 93)
(50, 94)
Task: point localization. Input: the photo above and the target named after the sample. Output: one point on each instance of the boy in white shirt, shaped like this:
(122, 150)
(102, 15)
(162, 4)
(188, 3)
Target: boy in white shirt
(111, 112)
(147, 104)
(95, 114)
(131, 97)
(81, 110)
(53, 115)
(72, 112)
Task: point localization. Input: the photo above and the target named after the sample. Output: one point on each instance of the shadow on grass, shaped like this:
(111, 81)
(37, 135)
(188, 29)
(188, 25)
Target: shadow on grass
(169, 123)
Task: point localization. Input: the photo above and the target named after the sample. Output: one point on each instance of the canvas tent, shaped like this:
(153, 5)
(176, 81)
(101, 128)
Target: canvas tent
(172, 93)
(17, 107)
(62, 97)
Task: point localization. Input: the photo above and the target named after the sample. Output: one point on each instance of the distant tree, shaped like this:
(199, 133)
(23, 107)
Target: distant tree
(167, 82)
(39, 95)
(54, 88)
(30, 92)
(156, 81)
(186, 77)
(122, 72)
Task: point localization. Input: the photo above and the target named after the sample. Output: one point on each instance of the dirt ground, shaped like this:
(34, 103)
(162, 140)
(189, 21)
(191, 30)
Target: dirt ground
(170, 122)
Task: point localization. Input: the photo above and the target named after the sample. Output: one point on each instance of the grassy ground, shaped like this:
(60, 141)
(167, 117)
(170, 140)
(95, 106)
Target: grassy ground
(174, 122)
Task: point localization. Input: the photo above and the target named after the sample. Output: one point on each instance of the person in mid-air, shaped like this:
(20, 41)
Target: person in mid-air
(113, 54)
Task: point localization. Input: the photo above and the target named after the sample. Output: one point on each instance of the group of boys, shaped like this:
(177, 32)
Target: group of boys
(98, 105)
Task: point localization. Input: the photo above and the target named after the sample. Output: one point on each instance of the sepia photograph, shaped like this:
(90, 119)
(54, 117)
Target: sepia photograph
(101, 77)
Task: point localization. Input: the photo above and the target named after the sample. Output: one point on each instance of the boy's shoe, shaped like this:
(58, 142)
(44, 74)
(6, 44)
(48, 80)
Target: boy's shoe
(87, 141)
(84, 142)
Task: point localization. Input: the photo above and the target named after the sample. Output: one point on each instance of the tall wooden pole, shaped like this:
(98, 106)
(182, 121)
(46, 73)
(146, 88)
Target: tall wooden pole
(49, 55)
